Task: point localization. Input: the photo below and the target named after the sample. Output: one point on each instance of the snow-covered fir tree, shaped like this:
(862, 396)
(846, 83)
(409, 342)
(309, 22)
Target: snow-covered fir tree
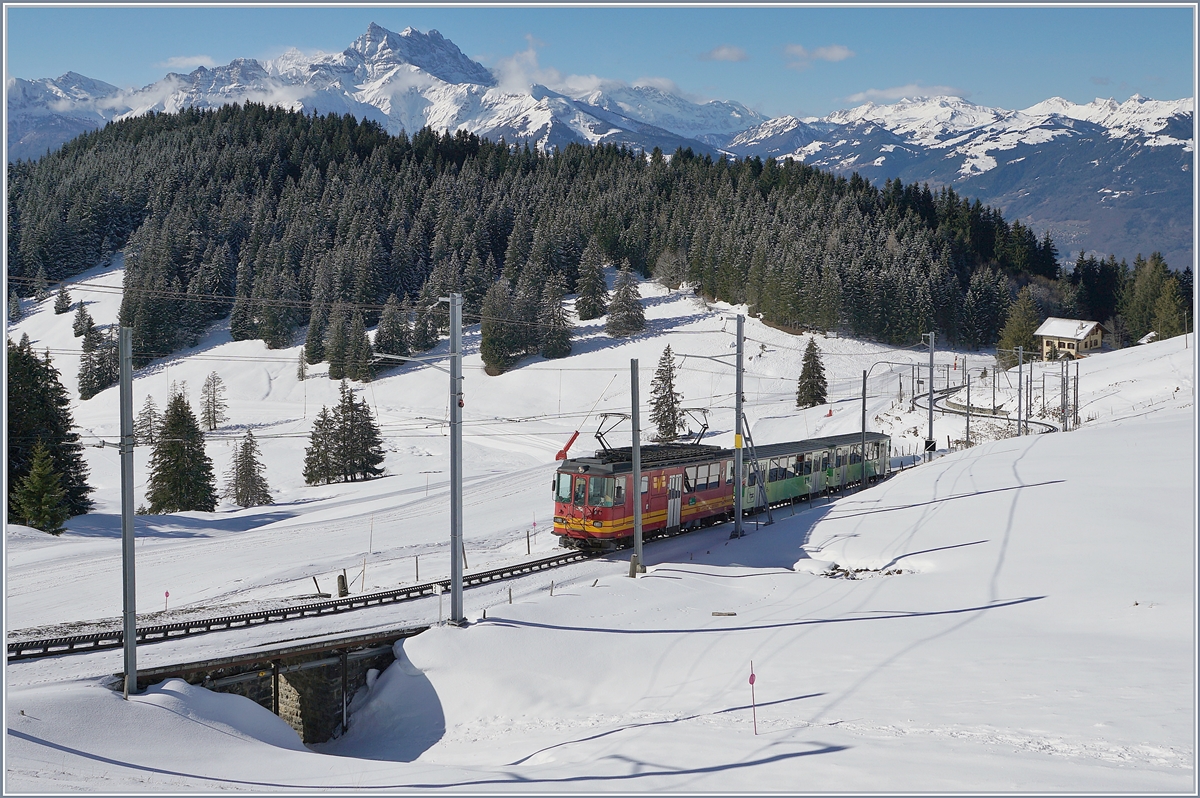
(811, 388)
(391, 337)
(14, 307)
(665, 411)
(212, 402)
(181, 473)
(554, 328)
(245, 482)
(62, 300)
(82, 321)
(626, 315)
(40, 500)
(345, 444)
(592, 291)
(499, 339)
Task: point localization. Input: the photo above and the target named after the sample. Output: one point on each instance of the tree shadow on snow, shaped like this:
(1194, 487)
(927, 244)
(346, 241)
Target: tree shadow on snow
(108, 525)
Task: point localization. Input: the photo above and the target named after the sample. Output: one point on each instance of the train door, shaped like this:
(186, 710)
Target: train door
(674, 501)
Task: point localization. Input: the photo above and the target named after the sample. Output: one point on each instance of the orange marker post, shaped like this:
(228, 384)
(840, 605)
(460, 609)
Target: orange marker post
(753, 705)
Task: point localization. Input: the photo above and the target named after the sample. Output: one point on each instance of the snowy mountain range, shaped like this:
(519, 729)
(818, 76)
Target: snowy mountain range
(1104, 177)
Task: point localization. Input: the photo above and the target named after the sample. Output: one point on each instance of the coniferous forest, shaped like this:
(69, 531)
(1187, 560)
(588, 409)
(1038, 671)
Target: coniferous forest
(292, 224)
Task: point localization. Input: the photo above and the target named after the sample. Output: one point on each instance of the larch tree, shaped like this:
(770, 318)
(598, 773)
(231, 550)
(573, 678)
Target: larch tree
(148, 423)
(181, 473)
(665, 411)
(811, 388)
(212, 402)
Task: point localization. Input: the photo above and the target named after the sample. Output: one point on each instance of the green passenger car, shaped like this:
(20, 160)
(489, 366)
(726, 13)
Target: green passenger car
(801, 469)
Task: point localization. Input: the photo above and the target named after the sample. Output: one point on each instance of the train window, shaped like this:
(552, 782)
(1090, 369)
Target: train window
(689, 479)
(728, 472)
(840, 458)
(646, 484)
(855, 455)
(619, 496)
(753, 480)
(772, 470)
(807, 464)
(600, 492)
(824, 461)
(580, 491)
(562, 490)
(792, 470)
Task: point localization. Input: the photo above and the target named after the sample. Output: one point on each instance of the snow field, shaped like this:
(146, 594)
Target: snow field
(1038, 636)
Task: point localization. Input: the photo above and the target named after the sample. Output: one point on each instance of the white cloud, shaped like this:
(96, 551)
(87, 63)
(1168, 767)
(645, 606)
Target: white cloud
(908, 90)
(521, 70)
(800, 57)
(188, 62)
(725, 52)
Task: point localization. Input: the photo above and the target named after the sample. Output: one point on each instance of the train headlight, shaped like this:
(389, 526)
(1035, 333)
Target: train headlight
(598, 524)
(558, 519)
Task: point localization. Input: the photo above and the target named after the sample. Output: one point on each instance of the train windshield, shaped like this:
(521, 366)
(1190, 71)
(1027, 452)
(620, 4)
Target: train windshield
(600, 492)
(562, 488)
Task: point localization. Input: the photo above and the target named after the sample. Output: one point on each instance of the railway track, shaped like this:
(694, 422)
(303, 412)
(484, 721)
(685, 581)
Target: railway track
(115, 638)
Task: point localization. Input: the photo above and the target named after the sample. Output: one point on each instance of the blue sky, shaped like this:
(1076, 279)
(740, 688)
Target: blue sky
(797, 60)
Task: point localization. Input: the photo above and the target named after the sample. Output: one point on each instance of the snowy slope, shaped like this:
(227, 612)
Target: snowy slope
(1038, 636)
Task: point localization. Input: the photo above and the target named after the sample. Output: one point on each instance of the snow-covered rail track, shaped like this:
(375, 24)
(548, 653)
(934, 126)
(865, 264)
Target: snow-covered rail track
(114, 638)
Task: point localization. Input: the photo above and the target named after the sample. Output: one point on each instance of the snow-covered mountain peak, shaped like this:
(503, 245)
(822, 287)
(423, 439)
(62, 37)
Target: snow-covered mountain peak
(431, 52)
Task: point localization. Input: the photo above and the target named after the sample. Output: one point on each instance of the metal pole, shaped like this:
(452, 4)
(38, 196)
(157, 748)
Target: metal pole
(637, 470)
(968, 436)
(737, 437)
(456, 462)
(862, 458)
(1075, 414)
(125, 342)
(1020, 387)
(929, 441)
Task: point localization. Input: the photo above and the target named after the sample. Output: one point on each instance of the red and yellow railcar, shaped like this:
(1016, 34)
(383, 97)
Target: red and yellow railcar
(683, 486)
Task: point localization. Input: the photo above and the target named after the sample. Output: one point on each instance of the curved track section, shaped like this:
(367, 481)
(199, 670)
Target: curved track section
(114, 638)
(945, 393)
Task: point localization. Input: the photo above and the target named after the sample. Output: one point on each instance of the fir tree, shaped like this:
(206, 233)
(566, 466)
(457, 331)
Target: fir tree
(314, 341)
(358, 349)
(319, 456)
(83, 320)
(245, 483)
(1023, 320)
(554, 328)
(1170, 318)
(40, 499)
(99, 365)
(592, 299)
(39, 411)
(41, 285)
(181, 473)
(811, 387)
(424, 330)
(625, 313)
(336, 345)
(499, 344)
(147, 424)
(212, 402)
(62, 302)
(14, 307)
(665, 411)
(391, 337)
(301, 367)
(345, 444)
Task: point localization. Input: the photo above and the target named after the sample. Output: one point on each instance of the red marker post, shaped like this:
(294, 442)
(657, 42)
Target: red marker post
(753, 705)
(166, 595)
